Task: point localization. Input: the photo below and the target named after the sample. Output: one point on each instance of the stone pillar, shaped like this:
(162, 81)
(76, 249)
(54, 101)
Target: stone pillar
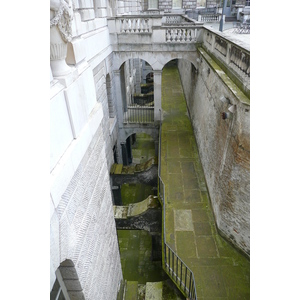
(137, 82)
(129, 150)
(61, 16)
(119, 96)
(124, 154)
(157, 94)
(117, 197)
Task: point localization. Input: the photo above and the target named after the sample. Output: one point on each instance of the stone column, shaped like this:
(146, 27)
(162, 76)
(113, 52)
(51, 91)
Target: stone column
(137, 82)
(119, 97)
(157, 94)
(61, 16)
(124, 154)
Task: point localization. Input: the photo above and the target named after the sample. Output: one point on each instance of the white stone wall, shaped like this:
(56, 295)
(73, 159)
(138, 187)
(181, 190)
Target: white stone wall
(83, 226)
(82, 136)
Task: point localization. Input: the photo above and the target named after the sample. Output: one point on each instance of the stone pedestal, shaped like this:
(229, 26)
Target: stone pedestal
(61, 16)
(58, 53)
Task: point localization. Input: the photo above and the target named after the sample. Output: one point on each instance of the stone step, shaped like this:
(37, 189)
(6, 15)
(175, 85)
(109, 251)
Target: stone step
(131, 290)
(154, 291)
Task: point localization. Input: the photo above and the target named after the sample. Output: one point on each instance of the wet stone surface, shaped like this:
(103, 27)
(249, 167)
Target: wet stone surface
(220, 271)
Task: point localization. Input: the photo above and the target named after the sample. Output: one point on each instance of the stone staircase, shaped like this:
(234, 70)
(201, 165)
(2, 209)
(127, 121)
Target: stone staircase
(132, 290)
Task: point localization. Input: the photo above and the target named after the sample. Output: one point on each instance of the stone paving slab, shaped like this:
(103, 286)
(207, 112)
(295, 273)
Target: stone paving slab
(220, 271)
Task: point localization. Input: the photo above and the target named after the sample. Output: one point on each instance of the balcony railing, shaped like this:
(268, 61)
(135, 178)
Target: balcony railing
(134, 25)
(153, 29)
(139, 114)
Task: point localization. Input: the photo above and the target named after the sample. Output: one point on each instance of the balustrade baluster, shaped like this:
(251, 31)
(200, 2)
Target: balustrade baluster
(190, 33)
(121, 25)
(180, 35)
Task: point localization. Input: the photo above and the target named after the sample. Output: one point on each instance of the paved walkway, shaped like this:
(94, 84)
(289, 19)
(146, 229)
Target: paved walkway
(220, 271)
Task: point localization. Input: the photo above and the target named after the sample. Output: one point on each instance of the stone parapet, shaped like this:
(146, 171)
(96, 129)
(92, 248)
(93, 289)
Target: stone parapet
(233, 57)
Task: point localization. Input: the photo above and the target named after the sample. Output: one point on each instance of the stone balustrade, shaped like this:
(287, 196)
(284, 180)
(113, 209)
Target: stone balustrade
(240, 60)
(173, 19)
(135, 25)
(209, 18)
(159, 28)
(233, 57)
(181, 35)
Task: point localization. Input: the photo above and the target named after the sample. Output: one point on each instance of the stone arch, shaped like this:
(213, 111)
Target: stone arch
(121, 58)
(67, 285)
(157, 60)
(180, 58)
(153, 132)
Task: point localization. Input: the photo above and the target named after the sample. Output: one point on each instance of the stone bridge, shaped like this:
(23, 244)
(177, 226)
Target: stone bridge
(156, 39)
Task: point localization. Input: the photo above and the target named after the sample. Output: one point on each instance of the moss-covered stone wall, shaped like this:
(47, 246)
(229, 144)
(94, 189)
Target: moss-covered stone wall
(223, 145)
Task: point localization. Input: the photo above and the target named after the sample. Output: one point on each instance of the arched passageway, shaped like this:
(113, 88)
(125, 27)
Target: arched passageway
(137, 91)
(66, 285)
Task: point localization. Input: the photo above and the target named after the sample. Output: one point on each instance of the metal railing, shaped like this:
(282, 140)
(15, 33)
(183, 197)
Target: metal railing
(174, 266)
(179, 272)
(139, 114)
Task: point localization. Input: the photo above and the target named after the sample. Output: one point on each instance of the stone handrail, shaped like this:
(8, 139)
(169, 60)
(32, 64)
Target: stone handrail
(159, 28)
(234, 57)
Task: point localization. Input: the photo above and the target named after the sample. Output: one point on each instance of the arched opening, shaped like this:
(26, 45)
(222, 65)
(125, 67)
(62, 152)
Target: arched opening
(66, 285)
(137, 91)
(138, 148)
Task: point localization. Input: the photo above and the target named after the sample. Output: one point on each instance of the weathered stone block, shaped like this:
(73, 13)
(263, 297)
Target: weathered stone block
(72, 285)
(68, 273)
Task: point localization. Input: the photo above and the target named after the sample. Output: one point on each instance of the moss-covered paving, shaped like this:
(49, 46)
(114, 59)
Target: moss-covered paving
(220, 271)
(137, 265)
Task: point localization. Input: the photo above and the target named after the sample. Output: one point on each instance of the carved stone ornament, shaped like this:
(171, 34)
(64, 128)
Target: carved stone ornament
(63, 19)
(61, 16)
